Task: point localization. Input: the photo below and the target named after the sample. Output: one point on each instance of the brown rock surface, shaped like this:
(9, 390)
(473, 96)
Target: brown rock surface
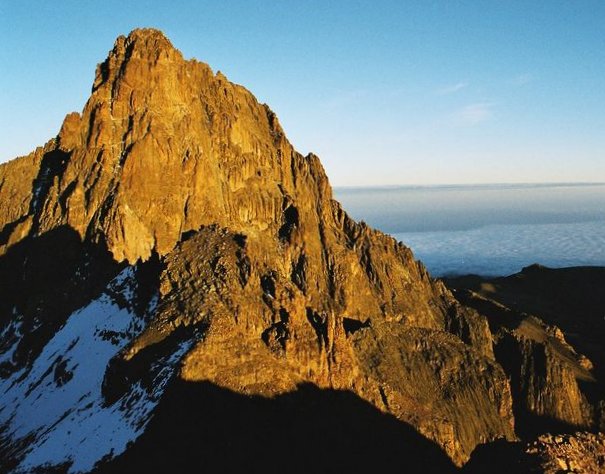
(554, 387)
(582, 453)
(570, 298)
(264, 336)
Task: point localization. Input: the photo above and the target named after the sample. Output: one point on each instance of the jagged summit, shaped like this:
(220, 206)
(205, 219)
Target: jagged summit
(142, 44)
(147, 39)
(173, 232)
(162, 147)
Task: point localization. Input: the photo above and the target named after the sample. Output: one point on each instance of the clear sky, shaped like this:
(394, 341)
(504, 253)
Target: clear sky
(385, 92)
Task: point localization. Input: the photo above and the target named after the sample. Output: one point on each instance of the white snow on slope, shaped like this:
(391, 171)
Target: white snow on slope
(59, 399)
(9, 339)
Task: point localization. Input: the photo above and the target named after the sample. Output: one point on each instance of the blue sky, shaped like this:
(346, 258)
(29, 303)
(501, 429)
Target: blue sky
(384, 92)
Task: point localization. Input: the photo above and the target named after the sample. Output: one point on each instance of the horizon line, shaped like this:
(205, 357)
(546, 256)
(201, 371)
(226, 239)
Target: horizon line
(471, 185)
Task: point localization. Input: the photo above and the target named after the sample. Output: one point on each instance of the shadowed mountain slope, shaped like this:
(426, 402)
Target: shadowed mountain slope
(203, 428)
(549, 329)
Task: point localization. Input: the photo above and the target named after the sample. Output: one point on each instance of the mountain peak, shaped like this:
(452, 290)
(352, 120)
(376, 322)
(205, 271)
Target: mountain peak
(145, 41)
(164, 146)
(143, 50)
(146, 34)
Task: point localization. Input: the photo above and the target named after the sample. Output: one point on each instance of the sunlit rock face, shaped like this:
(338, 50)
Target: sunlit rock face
(170, 236)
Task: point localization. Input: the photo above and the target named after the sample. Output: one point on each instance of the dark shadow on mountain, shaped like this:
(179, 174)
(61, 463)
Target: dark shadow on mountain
(501, 457)
(200, 427)
(9, 451)
(52, 166)
(8, 229)
(497, 316)
(528, 424)
(121, 374)
(45, 279)
(571, 298)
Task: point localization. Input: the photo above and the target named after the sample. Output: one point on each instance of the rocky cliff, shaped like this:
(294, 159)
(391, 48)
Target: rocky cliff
(170, 248)
(556, 385)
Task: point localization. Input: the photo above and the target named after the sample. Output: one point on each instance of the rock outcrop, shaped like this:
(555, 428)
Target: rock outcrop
(555, 388)
(582, 453)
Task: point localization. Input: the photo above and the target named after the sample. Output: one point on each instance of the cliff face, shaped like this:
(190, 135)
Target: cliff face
(173, 229)
(554, 387)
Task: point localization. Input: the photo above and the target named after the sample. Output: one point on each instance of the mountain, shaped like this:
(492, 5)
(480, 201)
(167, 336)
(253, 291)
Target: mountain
(181, 292)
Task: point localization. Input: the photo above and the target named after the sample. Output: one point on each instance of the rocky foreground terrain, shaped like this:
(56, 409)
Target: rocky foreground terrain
(181, 293)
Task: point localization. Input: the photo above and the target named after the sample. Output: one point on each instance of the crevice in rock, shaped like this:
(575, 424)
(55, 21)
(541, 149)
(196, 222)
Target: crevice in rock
(8, 229)
(240, 240)
(125, 154)
(277, 333)
(66, 194)
(351, 326)
(61, 374)
(365, 259)
(299, 272)
(102, 75)
(290, 222)
(284, 316)
(52, 166)
(244, 267)
(383, 397)
(185, 236)
(267, 283)
(319, 322)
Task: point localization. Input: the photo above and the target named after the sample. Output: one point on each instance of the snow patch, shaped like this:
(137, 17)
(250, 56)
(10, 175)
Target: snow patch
(9, 338)
(57, 402)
